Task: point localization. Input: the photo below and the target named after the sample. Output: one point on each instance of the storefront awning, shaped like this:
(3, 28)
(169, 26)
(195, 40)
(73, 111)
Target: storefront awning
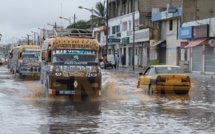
(196, 42)
(157, 43)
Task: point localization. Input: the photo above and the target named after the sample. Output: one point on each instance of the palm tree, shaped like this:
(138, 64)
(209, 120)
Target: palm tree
(99, 15)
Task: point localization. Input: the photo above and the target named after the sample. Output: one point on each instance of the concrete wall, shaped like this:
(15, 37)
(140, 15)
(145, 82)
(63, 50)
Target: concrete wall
(198, 9)
(172, 42)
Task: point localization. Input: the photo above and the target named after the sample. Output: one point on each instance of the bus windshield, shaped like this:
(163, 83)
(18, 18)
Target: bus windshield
(74, 57)
(31, 55)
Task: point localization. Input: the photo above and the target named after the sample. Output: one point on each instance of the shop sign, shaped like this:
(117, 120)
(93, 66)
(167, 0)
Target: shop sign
(201, 31)
(112, 40)
(186, 32)
(211, 42)
(142, 35)
(125, 40)
(183, 44)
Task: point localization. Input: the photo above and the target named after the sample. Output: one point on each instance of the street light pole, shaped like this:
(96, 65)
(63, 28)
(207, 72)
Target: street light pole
(68, 19)
(28, 39)
(107, 13)
(34, 37)
(133, 17)
(91, 10)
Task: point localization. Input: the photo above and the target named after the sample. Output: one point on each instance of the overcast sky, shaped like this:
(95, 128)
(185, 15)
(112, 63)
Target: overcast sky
(19, 17)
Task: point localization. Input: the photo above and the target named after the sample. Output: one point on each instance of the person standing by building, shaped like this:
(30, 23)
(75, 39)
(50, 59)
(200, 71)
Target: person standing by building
(117, 59)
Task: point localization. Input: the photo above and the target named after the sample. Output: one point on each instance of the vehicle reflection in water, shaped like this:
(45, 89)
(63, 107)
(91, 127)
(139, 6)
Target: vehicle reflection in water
(66, 116)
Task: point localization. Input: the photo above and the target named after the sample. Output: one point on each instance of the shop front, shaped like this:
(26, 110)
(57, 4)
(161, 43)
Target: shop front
(202, 54)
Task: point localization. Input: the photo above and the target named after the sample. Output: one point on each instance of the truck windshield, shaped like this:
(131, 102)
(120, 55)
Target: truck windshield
(70, 57)
(31, 55)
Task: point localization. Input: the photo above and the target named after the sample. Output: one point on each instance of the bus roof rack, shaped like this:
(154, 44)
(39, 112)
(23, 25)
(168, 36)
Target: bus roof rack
(86, 33)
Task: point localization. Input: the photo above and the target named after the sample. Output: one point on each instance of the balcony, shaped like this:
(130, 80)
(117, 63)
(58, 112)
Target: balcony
(165, 15)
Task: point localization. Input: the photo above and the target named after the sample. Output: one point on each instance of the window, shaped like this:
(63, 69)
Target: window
(152, 71)
(169, 70)
(129, 25)
(113, 30)
(170, 25)
(118, 28)
(147, 71)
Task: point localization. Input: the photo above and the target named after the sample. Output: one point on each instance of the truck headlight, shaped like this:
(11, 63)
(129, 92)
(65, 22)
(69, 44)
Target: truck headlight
(93, 74)
(58, 73)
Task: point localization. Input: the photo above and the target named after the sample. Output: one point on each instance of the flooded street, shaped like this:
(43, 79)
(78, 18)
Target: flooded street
(123, 108)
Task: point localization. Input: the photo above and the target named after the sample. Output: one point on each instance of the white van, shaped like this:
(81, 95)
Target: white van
(111, 62)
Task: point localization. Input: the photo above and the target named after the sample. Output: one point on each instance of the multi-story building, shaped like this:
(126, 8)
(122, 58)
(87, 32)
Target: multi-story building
(131, 29)
(198, 29)
(168, 49)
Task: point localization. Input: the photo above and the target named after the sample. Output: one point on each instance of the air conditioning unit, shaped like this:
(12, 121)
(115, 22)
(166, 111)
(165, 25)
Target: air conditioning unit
(118, 34)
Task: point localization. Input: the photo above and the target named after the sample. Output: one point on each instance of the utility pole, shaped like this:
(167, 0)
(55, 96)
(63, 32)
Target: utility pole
(133, 20)
(107, 27)
(74, 20)
(28, 39)
(133, 17)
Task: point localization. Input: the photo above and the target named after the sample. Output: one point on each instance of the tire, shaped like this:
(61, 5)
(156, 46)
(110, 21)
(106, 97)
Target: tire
(150, 91)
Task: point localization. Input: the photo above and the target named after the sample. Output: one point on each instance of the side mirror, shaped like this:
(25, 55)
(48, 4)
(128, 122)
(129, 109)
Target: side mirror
(140, 74)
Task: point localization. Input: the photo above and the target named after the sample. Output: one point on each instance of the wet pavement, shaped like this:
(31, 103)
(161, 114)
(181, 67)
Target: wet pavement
(123, 108)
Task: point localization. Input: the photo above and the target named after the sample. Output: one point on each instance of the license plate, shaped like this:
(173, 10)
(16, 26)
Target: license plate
(67, 92)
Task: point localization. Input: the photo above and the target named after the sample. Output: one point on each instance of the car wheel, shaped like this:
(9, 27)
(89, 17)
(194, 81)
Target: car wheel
(150, 91)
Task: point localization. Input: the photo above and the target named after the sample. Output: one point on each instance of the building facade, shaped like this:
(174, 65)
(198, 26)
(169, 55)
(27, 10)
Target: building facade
(131, 29)
(167, 50)
(200, 36)
(197, 30)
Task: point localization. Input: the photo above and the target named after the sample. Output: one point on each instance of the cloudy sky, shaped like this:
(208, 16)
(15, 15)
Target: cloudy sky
(19, 17)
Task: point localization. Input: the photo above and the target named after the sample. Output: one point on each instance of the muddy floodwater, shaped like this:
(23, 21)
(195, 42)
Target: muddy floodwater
(122, 108)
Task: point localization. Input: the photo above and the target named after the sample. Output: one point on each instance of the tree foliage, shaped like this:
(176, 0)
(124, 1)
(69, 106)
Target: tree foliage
(97, 19)
(99, 15)
(81, 24)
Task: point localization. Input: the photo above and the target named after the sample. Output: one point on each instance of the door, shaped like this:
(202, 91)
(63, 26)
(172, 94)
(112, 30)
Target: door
(162, 55)
(197, 58)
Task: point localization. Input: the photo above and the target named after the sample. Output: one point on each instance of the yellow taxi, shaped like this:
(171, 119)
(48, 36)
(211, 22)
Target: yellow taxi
(164, 79)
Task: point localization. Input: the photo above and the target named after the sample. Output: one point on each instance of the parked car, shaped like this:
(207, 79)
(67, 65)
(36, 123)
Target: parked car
(111, 62)
(164, 79)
